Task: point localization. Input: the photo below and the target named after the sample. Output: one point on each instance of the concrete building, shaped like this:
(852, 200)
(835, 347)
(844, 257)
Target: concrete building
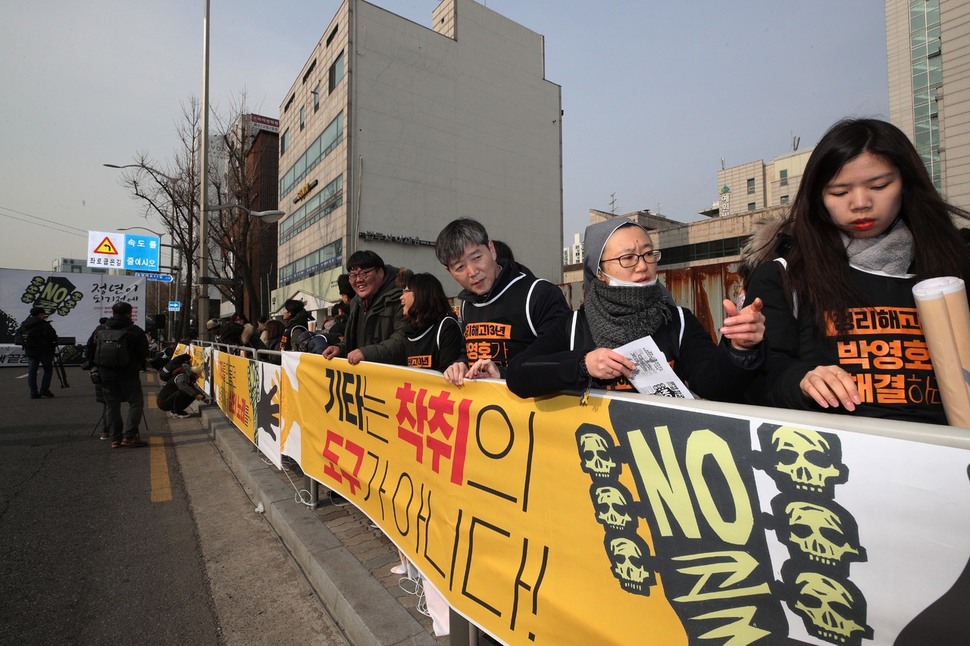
(759, 185)
(255, 187)
(928, 49)
(392, 129)
(573, 253)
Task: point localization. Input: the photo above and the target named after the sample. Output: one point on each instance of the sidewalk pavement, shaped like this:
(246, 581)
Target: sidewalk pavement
(345, 558)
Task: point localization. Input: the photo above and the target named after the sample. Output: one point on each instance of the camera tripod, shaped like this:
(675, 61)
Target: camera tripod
(103, 420)
(59, 368)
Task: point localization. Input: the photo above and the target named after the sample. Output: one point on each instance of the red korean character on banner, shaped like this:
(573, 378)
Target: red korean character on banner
(436, 423)
(342, 454)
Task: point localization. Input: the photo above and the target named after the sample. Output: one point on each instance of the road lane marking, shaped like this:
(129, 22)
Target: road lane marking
(161, 485)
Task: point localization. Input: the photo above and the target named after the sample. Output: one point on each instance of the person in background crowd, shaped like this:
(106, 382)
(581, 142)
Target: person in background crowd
(273, 338)
(230, 333)
(339, 322)
(249, 337)
(123, 384)
(40, 344)
(375, 325)
(504, 307)
(503, 251)
(434, 339)
(294, 316)
(866, 225)
(624, 302)
(212, 327)
(345, 289)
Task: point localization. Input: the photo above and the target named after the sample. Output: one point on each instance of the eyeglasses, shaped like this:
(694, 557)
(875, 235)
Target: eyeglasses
(358, 275)
(630, 260)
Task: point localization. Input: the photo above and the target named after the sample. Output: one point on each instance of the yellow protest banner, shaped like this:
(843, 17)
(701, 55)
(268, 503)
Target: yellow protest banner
(632, 519)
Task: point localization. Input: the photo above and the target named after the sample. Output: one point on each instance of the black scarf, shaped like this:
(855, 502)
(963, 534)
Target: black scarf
(618, 315)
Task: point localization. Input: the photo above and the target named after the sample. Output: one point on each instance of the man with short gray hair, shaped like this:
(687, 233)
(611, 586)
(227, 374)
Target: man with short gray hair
(504, 306)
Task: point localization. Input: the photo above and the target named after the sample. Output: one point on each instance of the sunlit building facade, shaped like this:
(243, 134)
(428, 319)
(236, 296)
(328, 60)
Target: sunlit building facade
(392, 129)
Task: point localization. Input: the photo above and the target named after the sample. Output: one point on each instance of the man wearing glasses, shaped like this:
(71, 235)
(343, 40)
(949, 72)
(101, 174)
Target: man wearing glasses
(375, 325)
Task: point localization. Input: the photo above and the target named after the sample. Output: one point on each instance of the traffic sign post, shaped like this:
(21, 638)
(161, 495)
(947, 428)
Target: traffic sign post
(174, 306)
(113, 250)
(141, 252)
(162, 278)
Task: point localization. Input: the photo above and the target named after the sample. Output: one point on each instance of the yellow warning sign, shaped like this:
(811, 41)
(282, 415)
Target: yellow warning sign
(106, 247)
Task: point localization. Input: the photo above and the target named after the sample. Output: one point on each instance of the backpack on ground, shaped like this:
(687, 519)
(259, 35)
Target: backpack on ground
(111, 350)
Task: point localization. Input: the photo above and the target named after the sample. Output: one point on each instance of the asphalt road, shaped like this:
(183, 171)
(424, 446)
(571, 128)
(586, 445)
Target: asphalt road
(155, 545)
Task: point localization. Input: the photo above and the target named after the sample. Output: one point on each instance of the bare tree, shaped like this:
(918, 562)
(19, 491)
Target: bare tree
(170, 195)
(237, 236)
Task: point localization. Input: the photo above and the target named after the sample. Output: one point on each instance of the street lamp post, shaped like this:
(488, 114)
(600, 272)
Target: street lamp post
(203, 307)
(269, 217)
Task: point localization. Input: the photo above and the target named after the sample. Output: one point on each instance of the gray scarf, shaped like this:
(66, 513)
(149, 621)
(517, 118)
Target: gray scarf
(891, 253)
(618, 315)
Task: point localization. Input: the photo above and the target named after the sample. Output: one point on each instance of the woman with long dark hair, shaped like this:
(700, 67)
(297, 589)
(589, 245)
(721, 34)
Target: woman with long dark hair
(865, 226)
(434, 338)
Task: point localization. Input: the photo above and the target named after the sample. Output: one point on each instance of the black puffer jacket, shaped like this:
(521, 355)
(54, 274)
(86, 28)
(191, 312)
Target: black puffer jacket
(43, 338)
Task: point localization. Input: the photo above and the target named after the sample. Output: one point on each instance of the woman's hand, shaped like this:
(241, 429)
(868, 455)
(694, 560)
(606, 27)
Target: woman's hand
(455, 373)
(831, 386)
(746, 328)
(483, 369)
(606, 364)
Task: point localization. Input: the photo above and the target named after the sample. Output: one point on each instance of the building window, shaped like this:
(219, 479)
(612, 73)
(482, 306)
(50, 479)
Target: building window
(309, 71)
(302, 117)
(750, 186)
(783, 177)
(316, 152)
(333, 34)
(316, 97)
(336, 71)
(284, 141)
(783, 200)
(289, 103)
(752, 206)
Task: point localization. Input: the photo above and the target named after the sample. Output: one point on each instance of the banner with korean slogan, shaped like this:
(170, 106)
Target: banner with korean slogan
(235, 388)
(639, 518)
(74, 303)
(247, 392)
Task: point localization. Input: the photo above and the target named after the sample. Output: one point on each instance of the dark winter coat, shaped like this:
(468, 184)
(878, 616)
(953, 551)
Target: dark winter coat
(379, 330)
(719, 372)
(42, 337)
(137, 342)
(300, 319)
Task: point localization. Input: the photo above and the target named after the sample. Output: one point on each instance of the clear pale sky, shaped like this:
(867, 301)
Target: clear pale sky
(654, 94)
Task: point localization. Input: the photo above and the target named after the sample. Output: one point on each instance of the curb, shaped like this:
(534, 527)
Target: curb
(361, 605)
